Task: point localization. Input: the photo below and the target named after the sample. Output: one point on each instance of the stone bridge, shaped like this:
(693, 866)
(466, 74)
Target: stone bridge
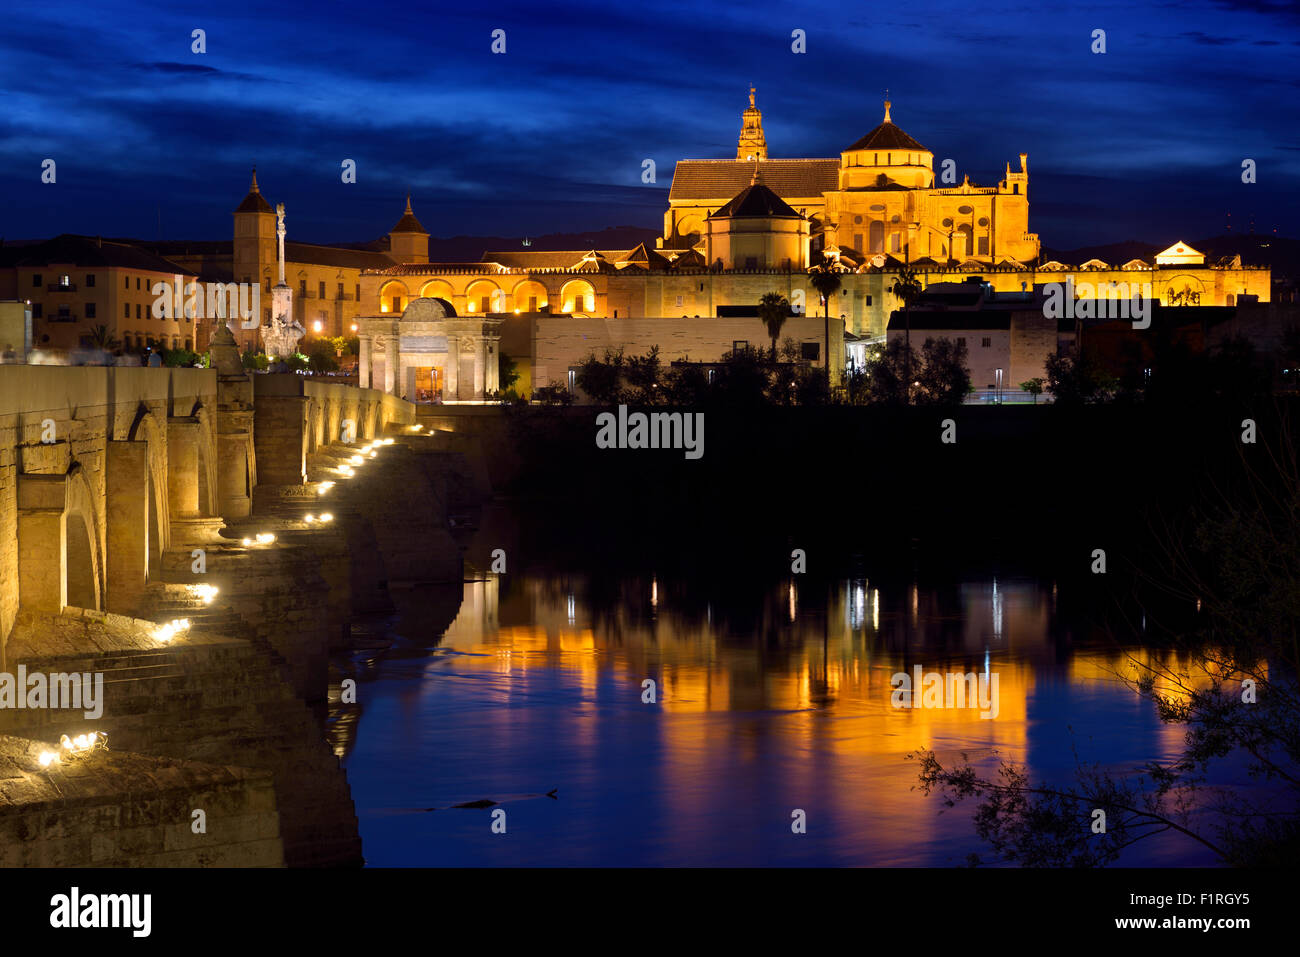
(121, 490)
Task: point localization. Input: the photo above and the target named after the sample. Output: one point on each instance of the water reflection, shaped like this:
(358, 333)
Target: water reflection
(762, 704)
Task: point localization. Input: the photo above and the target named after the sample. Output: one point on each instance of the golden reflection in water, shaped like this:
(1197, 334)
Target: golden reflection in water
(816, 692)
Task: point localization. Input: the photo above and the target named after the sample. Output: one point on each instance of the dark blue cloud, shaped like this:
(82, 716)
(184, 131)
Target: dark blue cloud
(1145, 141)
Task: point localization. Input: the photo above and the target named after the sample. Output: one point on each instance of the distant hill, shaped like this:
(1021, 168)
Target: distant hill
(1280, 254)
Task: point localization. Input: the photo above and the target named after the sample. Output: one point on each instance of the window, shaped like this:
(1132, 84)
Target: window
(302, 288)
(126, 281)
(739, 344)
(37, 310)
(340, 291)
(322, 290)
(868, 299)
(810, 350)
(90, 279)
(984, 246)
(36, 280)
(137, 310)
(137, 282)
(126, 310)
(986, 342)
(681, 300)
(397, 304)
(358, 292)
(65, 314)
(90, 310)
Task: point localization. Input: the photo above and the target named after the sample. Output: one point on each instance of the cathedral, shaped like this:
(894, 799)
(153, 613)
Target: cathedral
(880, 197)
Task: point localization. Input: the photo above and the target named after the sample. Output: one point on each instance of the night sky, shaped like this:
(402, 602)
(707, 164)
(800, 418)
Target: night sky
(1143, 142)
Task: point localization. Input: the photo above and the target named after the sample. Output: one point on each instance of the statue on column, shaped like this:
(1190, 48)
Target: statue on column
(280, 337)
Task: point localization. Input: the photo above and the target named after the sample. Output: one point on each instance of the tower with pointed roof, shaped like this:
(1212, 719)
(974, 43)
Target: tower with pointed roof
(254, 247)
(752, 144)
(407, 241)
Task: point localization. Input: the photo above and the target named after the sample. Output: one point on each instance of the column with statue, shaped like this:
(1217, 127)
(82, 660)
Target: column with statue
(280, 337)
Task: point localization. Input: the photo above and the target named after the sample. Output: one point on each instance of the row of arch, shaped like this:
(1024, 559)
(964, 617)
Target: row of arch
(485, 295)
(84, 537)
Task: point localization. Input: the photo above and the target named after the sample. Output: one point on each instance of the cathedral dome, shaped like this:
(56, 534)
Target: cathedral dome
(887, 136)
(429, 309)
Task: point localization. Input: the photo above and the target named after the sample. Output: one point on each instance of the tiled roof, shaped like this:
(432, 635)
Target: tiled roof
(756, 200)
(87, 251)
(722, 179)
(408, 223)
(334, 256)
(887, 136)
(558, 259)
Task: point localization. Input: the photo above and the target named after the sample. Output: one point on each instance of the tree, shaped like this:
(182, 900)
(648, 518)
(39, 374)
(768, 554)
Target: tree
(1228, 681)
(889, 373)
(907, 287)
(1034, 387)
(100, 338)
(944, 378)
(255, 361)
(773, 309)
(602, 379)
(322, 355)
(825, 278)
(507, 372)
(1075, 378)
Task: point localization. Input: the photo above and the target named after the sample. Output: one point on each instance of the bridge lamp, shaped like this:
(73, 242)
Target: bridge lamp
(309, 519)
(326, 517)
(265, 538)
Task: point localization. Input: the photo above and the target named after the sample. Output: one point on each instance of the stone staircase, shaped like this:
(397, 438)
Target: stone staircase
(219, 695)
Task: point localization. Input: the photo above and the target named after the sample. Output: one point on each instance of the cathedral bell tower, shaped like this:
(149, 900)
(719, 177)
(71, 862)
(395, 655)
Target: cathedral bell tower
(752, 144)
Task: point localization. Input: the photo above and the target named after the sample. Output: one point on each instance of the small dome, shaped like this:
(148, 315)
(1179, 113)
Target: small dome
(428, 309)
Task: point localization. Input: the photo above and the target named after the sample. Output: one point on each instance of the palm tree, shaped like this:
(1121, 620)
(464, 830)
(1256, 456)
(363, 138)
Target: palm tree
(825, 278)
(773, 309)
(101, 338)
(907, 288)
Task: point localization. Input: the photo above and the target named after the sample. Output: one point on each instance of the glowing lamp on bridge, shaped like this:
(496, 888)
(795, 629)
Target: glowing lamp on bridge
(326, 517)
(324, 487)
(206, 593)
(265, 538)
(82, 743)
(346, 470)
(309, 519)
(356, 460)
(167, 632)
